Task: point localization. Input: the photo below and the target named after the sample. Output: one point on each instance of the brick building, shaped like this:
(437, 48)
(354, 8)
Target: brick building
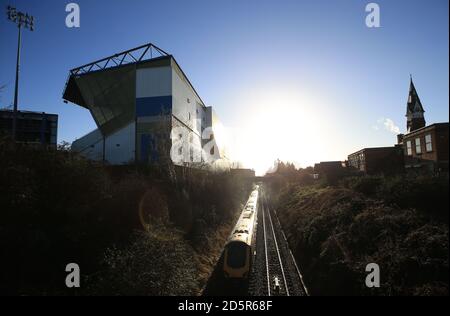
(425, 147)
(330, 170)
(422, 148)
(378, 160)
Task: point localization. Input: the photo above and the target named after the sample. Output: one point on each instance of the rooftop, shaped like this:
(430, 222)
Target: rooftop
(134, 55)
(143, 54)
(374, 149)
(425, 128)
(8, 111)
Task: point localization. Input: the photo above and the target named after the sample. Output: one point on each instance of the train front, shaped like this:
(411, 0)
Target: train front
(237, 260)
(238, 255)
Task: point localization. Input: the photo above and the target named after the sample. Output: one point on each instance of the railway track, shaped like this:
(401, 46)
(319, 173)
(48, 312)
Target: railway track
(275, 272)
(276, 278)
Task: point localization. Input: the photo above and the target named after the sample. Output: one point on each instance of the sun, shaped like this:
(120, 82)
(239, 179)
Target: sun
(281, 125)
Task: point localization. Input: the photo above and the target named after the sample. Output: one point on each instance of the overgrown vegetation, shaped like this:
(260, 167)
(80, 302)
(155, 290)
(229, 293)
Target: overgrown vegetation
(428, 194)
(132, 230)
(400, 223)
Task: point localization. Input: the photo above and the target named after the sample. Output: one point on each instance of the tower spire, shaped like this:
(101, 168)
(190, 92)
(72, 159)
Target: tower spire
(414, 109)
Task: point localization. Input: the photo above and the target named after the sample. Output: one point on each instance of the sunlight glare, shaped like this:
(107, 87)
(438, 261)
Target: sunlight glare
(280, 126)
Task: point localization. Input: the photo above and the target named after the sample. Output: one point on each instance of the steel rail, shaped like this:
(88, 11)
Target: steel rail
(265, 248)
(278, 254)
(305, 289)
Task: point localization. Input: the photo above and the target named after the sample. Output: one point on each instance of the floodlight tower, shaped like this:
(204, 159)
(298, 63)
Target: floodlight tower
(21, 19)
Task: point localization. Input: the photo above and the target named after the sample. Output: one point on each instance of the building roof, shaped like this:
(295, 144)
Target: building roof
(413, 105)
(107, 87)
(329, 163)
(426, 128)
(10, 112)
(130, 56)
(141, 55)
(373, 149)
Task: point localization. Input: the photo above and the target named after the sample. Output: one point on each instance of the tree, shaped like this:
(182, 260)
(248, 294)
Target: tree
(160, 131)
(2, 89)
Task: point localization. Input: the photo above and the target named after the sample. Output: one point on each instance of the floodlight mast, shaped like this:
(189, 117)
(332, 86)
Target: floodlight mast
(20, 19)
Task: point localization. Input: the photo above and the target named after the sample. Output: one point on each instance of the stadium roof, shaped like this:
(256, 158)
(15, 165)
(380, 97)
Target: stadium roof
(138, 55)
(133, 55)
(107, 87)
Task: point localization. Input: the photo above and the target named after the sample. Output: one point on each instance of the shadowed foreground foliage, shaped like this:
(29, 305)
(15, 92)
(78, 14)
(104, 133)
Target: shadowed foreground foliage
(57, 208)
(399, 223)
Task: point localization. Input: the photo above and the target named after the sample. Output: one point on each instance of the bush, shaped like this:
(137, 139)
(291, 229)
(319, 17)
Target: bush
(57, 208)
(427, 194)
(368, 185)
(334, 233)
(147, 267)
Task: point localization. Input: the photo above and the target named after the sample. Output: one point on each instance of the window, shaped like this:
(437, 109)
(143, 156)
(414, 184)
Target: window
(409, 148)
(237, 255)
(428, 143)
(418, 146)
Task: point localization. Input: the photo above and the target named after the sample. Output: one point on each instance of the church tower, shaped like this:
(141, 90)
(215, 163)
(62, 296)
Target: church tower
(414, 110)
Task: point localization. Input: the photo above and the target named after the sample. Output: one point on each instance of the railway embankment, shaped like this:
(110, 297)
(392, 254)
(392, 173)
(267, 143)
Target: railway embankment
(132, 230)
(335, 231)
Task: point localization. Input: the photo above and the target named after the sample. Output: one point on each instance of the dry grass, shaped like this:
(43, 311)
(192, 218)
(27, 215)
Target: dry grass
(131, 229)
(335, 232)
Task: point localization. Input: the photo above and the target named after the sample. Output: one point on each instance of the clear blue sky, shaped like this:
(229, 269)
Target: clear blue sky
(236, 52)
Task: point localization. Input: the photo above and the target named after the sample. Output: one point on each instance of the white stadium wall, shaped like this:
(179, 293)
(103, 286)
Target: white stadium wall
(90, 145)
(120, 146)
(188, 109)
(152, 89)
(153, 82)
(187, 106)
(153, 99)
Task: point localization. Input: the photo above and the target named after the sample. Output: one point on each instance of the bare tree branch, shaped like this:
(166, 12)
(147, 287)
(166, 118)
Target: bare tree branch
(2, 88)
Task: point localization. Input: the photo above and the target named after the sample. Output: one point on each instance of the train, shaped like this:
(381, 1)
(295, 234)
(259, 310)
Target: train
(239, 249)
